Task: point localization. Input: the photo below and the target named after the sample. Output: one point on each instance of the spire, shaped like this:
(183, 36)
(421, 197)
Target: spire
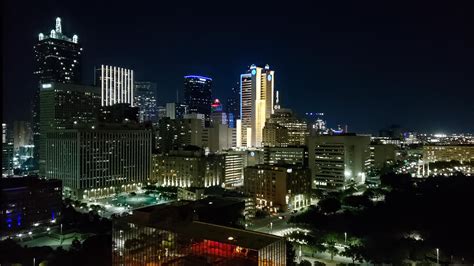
(58, 25)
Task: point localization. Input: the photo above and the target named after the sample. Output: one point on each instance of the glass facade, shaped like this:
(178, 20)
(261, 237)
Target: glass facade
(197, 95)
(144, 245)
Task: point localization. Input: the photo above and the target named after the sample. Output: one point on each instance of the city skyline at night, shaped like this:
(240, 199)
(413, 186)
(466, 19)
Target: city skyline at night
(348, 66)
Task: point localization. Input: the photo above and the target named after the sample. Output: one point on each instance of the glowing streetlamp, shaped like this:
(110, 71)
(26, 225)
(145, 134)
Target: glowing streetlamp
(437, 255)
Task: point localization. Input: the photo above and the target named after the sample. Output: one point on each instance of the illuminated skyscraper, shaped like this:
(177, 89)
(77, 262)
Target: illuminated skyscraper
(197, 95)
(256, 104)
(58, 57)
(116, 83)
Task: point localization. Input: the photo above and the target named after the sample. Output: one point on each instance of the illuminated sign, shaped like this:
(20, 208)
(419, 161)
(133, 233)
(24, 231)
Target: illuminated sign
(254, 72)
(269, 77)
(46, 86)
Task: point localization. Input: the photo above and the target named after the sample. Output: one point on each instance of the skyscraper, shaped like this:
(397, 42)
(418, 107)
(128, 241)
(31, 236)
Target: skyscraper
(197, 95)
(232, 107)
(145, 99)
(58, 57)
(116, 83)
(256, 104)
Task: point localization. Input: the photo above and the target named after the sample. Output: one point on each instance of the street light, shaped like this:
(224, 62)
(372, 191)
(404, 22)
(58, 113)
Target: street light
(345, 238)
(61, 233)
(437, 255)
(271, 227)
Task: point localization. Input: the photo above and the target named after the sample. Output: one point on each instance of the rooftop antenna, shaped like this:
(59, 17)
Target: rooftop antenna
(58, 25)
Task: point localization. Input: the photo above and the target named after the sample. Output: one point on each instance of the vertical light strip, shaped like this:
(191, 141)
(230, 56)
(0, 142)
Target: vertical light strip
(102, 83)
(131, 88)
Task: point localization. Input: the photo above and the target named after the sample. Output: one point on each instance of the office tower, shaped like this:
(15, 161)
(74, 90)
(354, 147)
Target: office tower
(338, 160)
(96, 163)
(28, 201)
(448, 152)
(22, 134)
(380, 154)
(146, 100)
(176, 110)
(173, 235)
(119, 113)
(278, 187)
(117, 85)
(197, 95)
(58, 57)
(161, 112)
(256, 105)
(294, 155)
(283, 128)
(188, 168)
(178, 133)
(218, 116)
(66, 106)
(232, 107)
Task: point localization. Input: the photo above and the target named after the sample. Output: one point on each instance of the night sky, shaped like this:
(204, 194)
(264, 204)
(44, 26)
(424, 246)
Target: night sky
(365, 64)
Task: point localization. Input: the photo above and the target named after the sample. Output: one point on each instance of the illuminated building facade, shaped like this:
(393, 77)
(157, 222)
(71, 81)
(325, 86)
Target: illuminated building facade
(22, 134)
(96, 163)
(117, 85)
(218, 116)
(256, 104)
(337, 160)
(145, 99)
(460, 153)
(171, 236)
(283, 128)
(28, 201)
(178, 133)
(187, 169)
(294, 155)
(7, 151)
(278, 187)
(58, 57)
(234, 164)
(198, 95)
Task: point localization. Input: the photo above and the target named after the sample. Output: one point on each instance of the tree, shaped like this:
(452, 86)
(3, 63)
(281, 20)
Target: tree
(354, 252)
(329, 205)
(331, 249)
(290, 254)
(305, 263)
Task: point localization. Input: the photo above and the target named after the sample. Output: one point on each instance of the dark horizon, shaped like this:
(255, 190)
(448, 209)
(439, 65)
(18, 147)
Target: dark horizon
(368, 66)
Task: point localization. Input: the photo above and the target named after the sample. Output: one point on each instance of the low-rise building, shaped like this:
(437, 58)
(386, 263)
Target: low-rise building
(171, 235)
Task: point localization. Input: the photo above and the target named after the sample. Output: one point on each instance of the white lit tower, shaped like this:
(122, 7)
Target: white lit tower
(256, 104)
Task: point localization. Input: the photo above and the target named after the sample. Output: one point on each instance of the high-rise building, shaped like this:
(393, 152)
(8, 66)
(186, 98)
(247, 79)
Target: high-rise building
(178, 133)
(278, 187)
(184, 234)
(117, 85)
(337, 160)
(232, 107)
(28, 201)
(95, 163)
(58, 60)
(283, 128)
(66, 106)
(22, 134)
(146, 101)
(197, 95)
(218, 116)
(58, 57)
(256, 104)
